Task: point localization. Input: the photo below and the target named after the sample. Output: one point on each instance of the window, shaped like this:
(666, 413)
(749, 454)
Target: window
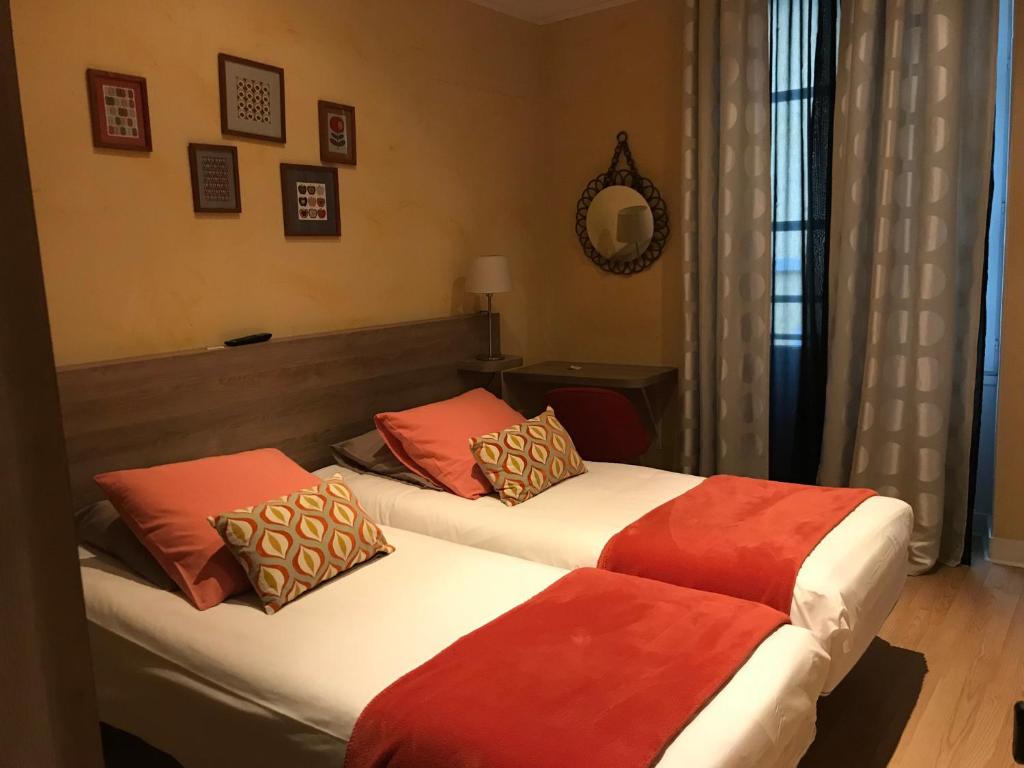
(800, 158)
(793, 32)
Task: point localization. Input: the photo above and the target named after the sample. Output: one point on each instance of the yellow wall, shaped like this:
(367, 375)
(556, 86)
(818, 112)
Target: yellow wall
(477, 133)
(446, 100)
(618, 69)
(1008, 513)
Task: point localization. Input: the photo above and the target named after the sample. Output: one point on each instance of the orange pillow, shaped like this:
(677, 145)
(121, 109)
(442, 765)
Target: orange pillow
(433, 440)
(167, 508)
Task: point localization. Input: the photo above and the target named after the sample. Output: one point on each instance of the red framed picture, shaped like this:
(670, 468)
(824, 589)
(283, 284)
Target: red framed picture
(337, 132)
(120, 111)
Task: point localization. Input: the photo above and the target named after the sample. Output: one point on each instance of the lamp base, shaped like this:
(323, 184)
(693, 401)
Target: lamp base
(490, 358)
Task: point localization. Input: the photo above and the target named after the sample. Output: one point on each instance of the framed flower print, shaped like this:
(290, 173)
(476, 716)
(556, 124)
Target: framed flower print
(337, 132)
(309, 198)
(214, 169)
(251, 99)
(119, 107)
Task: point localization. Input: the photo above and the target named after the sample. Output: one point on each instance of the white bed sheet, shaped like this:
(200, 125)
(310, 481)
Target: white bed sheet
(844, 591)
(233, 686)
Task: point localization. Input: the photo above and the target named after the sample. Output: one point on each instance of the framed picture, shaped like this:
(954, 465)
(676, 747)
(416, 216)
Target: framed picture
(215, 186)
(337, 132)
(251, 99)
(309, 196)
(120, 111)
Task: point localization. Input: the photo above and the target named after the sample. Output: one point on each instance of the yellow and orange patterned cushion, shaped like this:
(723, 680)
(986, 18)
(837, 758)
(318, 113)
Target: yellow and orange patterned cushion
(528, 458)
(290, 545)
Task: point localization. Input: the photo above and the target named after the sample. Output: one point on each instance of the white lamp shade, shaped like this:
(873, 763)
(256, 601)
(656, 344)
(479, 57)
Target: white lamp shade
(632, 224)
(489, 274)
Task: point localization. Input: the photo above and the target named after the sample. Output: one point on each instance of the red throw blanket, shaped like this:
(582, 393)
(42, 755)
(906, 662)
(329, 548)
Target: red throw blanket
(733, 535)
(599, 670)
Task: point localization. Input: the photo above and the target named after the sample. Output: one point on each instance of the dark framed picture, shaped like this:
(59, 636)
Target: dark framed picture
(337, 132)
(119, 107)
(309, 197)
(215, 187)
(251, 98)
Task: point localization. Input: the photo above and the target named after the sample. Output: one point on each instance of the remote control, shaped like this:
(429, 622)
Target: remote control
(255, 338)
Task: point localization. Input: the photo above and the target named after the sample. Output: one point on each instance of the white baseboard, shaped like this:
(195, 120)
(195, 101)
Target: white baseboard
(1006, 551)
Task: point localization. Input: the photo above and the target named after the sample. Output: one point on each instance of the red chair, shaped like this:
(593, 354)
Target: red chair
(604, 424)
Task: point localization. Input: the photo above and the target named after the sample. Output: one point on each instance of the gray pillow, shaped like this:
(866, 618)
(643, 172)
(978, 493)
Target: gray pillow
(101, 527)
(369, 453)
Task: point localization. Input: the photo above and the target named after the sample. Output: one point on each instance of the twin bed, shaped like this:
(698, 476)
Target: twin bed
(843, 593)
(232, 685)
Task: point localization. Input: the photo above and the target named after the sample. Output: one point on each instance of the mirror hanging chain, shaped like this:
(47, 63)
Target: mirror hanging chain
(622, 149)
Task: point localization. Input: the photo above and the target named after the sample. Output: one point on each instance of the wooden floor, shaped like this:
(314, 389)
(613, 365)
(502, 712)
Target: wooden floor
(937, 687)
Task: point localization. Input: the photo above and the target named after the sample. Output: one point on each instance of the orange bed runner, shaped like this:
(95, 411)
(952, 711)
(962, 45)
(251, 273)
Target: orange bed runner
(733, 535)
(599, 670)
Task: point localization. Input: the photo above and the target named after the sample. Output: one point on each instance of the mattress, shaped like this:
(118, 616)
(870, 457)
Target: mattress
(233, 686)
(844, 591)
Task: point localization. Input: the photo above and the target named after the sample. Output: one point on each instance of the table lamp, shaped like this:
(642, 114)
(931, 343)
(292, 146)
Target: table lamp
(632, 227)
(489, 275)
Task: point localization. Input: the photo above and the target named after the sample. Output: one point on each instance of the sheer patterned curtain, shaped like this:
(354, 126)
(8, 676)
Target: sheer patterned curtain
(726, 200)
(910, 195)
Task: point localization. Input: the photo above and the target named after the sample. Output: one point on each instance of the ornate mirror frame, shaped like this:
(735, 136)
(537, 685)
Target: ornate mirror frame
(627, 177)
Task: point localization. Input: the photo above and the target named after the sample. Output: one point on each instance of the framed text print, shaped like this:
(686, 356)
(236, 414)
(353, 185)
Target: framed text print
(120, 111)
(251, 99)
(337, 132)
(309, 196)
(214, 178)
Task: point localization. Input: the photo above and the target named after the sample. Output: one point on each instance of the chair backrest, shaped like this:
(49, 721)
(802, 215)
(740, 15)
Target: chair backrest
(604, 424)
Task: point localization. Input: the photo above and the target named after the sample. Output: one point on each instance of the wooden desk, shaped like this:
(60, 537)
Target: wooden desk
(487, 373)
(653, 388)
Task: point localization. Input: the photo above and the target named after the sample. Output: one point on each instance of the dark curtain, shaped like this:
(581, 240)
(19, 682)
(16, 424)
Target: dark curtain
(804, 107)
(810, 411)
(979, 378)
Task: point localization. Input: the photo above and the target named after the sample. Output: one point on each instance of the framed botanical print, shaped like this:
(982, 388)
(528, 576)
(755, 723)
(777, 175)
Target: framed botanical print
(309, 197)
(119, 107)
(337, 132)
(215, 186)
(251, 99)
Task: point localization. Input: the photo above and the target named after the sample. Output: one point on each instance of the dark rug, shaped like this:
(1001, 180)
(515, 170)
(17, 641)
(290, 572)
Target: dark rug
(123, 750)
(861, 721)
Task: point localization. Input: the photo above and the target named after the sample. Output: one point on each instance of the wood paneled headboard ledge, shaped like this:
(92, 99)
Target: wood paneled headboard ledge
(299, 394)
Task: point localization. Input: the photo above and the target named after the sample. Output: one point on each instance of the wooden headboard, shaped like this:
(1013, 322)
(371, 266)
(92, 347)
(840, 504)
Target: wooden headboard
(298, 394)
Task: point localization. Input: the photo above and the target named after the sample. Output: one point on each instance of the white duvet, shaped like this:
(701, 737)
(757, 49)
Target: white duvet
(233, 686)
(843, 594)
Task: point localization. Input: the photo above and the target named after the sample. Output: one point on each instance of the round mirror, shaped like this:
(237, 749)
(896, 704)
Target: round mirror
(621, 218)
(620, 224)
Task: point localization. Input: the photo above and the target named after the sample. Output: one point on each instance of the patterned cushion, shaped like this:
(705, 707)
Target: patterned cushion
(292, 544)
(527, 459)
